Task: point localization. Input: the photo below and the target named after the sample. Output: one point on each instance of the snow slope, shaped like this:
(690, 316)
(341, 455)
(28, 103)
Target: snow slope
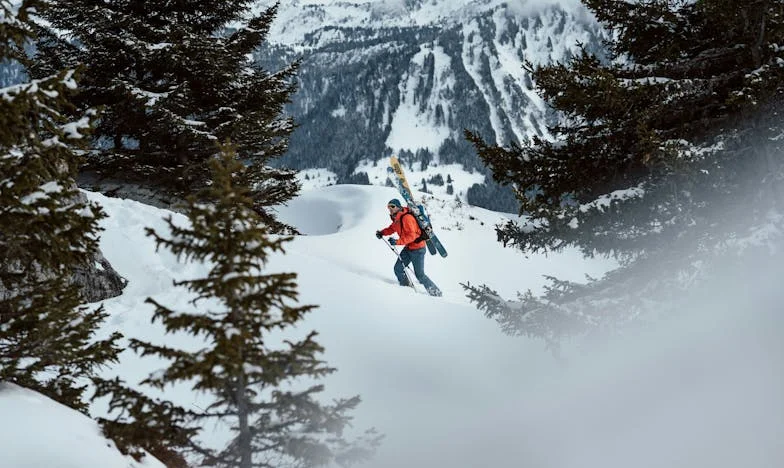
(391, 345)
(37, 432)
(440, 380)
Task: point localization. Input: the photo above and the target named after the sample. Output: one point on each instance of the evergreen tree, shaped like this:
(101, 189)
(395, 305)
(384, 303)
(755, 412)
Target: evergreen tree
(674, 135)
(360, 178)
(240, 310)
(492, 196)
(141, 422)
(437, 179)
(173, 80)
(47, 340)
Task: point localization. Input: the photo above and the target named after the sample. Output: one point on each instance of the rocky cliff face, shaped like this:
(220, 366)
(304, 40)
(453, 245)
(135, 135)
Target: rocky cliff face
(408, 77)
(98, 281)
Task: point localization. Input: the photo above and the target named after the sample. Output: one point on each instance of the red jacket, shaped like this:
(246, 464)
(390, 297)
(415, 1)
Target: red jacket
(407, 230)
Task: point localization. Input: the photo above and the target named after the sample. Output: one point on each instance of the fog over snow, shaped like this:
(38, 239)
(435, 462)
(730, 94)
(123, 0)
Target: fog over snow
(440, 380)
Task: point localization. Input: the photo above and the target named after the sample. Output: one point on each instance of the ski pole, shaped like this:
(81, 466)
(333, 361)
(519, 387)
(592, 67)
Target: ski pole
(406, 268)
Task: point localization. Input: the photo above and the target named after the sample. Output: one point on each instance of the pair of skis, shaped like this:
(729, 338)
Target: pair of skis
(396, 174)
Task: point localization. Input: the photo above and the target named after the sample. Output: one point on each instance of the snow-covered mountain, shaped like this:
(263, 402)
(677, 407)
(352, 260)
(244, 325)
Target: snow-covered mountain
(444, 385)
(407, 77)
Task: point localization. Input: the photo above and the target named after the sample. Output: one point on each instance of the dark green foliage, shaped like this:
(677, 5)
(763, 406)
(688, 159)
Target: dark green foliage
(360, 178)
(529, 315)
(655, 149)
(357, 87)
(425, 157)
(172, 83)
(367, 91)
(47, 340)
(437, 179)
(491, 196)
(157, 426)
(239, 312)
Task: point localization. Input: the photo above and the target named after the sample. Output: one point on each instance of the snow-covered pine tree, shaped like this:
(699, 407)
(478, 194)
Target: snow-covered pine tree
(240, 312)
(173, 79)
(47, 340)
(676, 134)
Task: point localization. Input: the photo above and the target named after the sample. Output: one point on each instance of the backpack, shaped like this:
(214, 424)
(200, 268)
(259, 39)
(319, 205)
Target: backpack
(423, 228)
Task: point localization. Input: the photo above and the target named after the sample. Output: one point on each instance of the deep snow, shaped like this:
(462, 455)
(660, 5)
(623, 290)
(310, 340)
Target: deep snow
(440, 380)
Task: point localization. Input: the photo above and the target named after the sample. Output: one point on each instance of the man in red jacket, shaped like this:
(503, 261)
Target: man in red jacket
(404, 224)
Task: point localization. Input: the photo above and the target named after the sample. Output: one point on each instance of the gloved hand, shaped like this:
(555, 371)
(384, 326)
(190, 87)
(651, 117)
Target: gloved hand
(392, 241)
(379, 235)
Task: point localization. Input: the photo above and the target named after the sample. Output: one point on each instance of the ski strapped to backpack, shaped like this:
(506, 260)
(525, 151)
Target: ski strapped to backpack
(396, 174)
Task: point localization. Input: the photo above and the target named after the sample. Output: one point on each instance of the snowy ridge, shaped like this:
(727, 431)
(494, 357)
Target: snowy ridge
(298, 19)
(386, 77)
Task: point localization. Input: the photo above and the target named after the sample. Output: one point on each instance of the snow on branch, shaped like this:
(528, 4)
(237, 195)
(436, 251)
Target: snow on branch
(603, 202)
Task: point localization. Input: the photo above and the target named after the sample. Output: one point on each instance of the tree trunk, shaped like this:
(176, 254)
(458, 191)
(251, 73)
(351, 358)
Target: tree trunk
(245, 447)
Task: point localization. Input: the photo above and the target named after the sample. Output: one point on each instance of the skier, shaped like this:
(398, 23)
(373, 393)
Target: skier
(409, 236)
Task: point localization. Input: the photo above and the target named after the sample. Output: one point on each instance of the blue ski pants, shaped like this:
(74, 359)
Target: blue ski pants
(417, 259)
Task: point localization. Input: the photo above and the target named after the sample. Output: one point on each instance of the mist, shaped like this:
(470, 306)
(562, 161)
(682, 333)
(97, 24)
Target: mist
(698, 388)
